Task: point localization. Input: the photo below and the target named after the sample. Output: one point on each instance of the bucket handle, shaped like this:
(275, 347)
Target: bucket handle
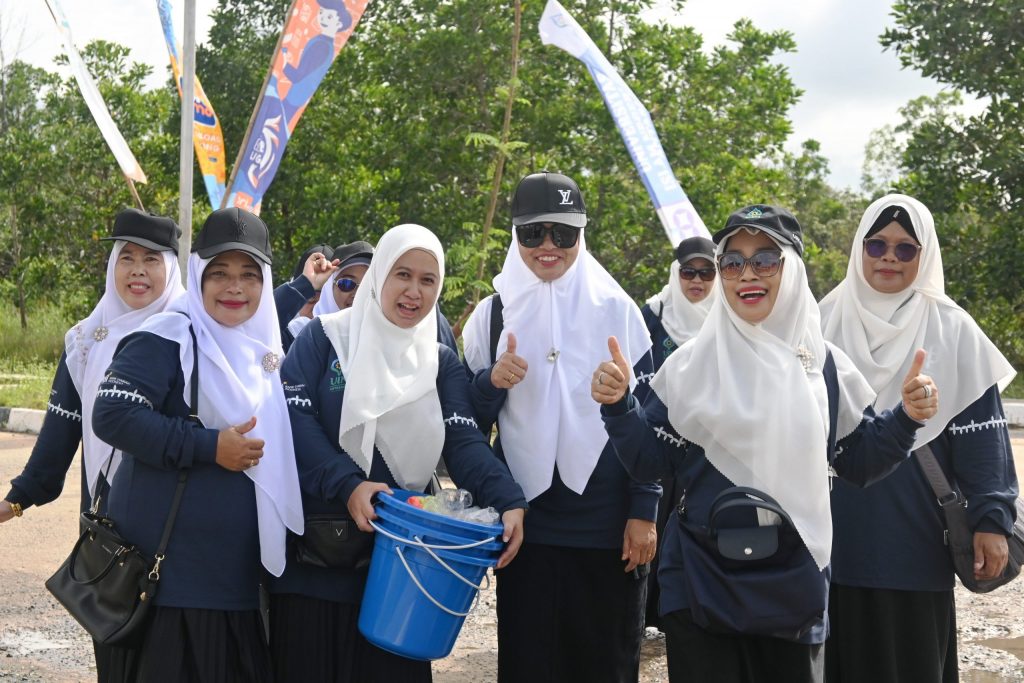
(416, 581)
(427, 546)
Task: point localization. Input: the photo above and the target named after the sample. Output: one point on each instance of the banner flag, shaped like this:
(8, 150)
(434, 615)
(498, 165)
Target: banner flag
(125, 159)
(313, 35)
(674, 208)
(206, 133)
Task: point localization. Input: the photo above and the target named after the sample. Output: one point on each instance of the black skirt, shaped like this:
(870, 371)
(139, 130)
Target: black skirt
(195, 646)
(569, 614)
(698, 655)
(319, 640)
(890, 636)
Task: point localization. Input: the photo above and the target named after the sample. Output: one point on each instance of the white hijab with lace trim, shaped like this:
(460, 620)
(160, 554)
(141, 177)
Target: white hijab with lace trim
(753, 397)
(90, 346)
(880, 332)
(391, 399)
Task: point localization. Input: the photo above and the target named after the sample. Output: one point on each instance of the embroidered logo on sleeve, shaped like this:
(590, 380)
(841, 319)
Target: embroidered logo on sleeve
(461, 420)
(644, 377)
(972, 426)
(72, 415)
(133, 396)
(299, 401)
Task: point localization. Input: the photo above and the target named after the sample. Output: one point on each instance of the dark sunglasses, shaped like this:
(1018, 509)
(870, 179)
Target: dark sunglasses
(905, 252)
(705, 274)
(563, 236)
(346, 284)
(764, 264)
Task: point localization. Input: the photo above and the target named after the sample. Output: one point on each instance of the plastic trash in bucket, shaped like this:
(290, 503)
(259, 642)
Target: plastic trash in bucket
(434, 537)
(418, 594)
(396, 503)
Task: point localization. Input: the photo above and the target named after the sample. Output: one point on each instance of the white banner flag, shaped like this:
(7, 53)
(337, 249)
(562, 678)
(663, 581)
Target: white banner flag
(125, 158)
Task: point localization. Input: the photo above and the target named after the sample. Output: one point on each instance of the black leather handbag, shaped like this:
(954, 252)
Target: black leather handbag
(106, 583)
(333, 542)
(959, 536)
(752, 580)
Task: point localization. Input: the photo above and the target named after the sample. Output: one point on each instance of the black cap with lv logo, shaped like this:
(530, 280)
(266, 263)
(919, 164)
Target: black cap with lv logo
(548, 198)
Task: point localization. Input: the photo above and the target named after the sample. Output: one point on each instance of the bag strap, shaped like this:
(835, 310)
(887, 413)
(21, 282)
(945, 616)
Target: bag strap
(497, 324)
(831, 376)
(944, 493)
(179, 492)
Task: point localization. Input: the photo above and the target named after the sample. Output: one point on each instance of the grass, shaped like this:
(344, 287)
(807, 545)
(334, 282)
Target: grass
(1016, 388)
(29, 357)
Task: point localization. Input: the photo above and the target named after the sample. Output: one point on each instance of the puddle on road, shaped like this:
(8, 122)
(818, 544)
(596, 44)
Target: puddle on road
(1014, 646)
(27, 642)
(985, 677)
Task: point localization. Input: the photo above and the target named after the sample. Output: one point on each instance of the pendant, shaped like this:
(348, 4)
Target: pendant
(100, 333)
(806, 358)
(271, 362)
(553, 355)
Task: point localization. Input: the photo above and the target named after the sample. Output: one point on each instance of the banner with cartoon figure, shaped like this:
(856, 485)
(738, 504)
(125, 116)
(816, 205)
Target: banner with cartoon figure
(676, 212)
(94, 100)
(313, 35)
(206, 134)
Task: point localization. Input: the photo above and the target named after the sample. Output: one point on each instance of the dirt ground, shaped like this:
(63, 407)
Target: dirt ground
(40, 642)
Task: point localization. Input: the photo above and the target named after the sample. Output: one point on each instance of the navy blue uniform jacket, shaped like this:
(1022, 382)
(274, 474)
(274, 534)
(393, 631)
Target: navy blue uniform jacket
(315, 389)
(650, 448)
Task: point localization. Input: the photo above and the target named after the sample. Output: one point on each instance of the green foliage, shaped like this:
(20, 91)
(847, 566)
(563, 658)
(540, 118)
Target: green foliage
(25, 384)
(44, 341)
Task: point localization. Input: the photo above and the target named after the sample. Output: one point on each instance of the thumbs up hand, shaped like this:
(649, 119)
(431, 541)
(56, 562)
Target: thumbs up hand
(920, 395)
(611, 379)
(510, 369)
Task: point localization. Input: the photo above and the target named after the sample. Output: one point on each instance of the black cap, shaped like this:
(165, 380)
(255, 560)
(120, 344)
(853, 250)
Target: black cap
(891, 213)
(353, 253)
(233, 229)
(315, 249)
(548, 198)
(158, 233)
(778, 223)
(695, 247)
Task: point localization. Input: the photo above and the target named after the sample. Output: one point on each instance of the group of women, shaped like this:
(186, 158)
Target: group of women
(776, 433)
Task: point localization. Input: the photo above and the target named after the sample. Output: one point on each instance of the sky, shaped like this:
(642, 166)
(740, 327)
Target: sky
(851, 87)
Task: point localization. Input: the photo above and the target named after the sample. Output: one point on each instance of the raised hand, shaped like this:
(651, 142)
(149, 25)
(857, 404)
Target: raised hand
(318, 269)
(611, 379)
(920, 395)
(360, 503)
(510, 369)
(235, 451)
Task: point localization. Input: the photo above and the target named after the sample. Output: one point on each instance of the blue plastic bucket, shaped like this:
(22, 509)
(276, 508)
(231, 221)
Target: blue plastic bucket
(397, 504)
(417, 595)
(432, 536)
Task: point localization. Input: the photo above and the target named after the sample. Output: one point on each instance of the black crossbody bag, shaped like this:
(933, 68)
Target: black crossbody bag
(106, 583)
(959, 537)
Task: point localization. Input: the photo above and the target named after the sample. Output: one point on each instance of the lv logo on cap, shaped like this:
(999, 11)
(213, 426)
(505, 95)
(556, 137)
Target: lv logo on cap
(566, 197)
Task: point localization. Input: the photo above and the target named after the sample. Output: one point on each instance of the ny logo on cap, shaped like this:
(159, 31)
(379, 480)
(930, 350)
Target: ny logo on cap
(754, 213)
(566, 197)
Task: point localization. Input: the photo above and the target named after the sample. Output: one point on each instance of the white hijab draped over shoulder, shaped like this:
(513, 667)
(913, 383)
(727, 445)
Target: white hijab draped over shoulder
(239, 379)
(90, 346)
(391, 399)
(680, 317)
(753, 397)
(880, 332)
(549, 418)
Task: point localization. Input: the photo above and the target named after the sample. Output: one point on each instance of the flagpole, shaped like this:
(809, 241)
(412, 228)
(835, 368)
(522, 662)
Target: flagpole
(188, 78)
(135, 192)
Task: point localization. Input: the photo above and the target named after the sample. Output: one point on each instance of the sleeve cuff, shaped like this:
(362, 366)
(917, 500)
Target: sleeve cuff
(303, 286)
(990, 526)
(620, 408)
(16, 495)
(205, 449)
(645, 505)
(484, 386)
(908, 423)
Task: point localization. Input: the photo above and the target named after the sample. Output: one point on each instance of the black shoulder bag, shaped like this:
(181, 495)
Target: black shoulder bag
(959, 537)
(106, 583)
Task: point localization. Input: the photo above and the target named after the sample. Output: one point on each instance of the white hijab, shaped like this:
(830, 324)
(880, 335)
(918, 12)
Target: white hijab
(238, 378)
(549, 419)
(880, 332)
(90, 345)
(742, 392)
(680, 317)
(391, 399)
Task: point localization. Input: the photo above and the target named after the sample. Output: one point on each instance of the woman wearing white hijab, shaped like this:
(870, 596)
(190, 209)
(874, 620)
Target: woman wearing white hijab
(296, 298)
(892, 609)
(571, 606)
(241, 490)
(142, 280)
(375, 401)
(757, 399)
(674, 315)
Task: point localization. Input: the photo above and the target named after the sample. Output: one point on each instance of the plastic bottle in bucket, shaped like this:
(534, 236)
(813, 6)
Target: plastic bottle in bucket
(419, 592)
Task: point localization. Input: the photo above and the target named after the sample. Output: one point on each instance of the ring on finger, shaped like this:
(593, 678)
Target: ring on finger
(927, 391)
(600, 378)
(511, 377)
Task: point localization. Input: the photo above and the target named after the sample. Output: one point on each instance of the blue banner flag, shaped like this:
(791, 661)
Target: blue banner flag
(674, 208)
